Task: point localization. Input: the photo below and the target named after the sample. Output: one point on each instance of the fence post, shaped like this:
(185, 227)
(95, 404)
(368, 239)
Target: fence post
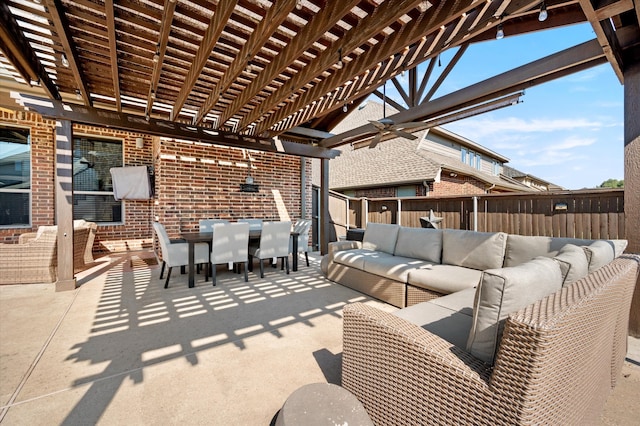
(399, 212)
(475, 213)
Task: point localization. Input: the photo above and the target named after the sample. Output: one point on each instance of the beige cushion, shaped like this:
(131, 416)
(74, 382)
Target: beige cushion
(393, 267)
(504, 291)
(477, 250)
(444, 278)
(420, 243)
(599, 254)
(450, 325)
(381, 237)
(573, 263)
(353, 258)
(522, 248)
(460, 301)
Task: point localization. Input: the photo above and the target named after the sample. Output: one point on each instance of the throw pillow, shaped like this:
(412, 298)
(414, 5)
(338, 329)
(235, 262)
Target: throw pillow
(573, 263)
(504, 291)
(599, 254)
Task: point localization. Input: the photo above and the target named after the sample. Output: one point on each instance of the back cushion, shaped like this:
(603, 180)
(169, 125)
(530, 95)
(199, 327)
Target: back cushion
(599, 254)
(573, 263)
(504, 291)
(380, 237)
(420, 243)
(476, 250)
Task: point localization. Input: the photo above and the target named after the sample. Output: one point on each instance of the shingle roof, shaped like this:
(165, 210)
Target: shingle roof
(396, 161)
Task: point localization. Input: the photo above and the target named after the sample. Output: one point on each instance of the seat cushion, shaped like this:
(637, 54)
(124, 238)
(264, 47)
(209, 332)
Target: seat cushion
(504, 291)
(419, 243)
(573, 263)
(353, 258)
(447, 323)
(460, 301)
(476, 250)
(444, 278)
(393, 267)
(380, 237)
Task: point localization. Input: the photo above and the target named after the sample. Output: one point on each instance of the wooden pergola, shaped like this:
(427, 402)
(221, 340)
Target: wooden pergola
(241, 72)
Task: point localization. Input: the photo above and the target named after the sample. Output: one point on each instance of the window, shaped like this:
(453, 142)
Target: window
(478, 161)
(496, 168)
(463, 155)
(92, 187)
(406, 191)
(15, 176)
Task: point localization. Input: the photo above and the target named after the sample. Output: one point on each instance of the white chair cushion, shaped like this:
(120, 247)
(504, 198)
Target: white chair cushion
(573, 263)
(599, 254)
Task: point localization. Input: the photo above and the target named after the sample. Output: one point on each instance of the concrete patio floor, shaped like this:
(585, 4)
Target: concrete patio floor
(122, 349)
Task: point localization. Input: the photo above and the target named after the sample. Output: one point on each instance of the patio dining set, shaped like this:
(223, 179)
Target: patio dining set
(234, 244)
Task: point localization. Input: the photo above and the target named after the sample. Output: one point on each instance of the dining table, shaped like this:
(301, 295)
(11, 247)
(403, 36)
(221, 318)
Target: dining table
(192, 238)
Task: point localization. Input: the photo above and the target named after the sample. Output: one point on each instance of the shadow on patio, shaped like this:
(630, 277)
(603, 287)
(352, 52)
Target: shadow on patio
(123, 349)
(126, 349)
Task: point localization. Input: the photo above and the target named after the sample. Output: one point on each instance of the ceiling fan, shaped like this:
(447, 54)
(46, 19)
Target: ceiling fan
(386, 125)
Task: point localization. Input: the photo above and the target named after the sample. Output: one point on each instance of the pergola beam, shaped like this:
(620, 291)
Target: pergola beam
(322, 22)
(62, 28)
(582, 56)
(113, 51)
(218, 21)
(267, 26)
(163, 128)
(161, 47)
(17, 48)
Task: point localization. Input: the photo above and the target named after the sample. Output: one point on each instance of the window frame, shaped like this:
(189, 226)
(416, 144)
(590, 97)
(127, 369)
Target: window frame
(96, 193)
(22, 191)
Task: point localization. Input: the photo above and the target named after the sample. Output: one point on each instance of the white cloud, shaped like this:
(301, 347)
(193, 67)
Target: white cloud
(487, 126)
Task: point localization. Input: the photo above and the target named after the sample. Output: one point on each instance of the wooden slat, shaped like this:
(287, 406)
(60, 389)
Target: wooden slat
(321, 23)
(165, 29)
(216, 26)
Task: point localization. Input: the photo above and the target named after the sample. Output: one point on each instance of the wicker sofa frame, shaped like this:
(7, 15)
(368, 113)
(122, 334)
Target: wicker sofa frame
(557, 361)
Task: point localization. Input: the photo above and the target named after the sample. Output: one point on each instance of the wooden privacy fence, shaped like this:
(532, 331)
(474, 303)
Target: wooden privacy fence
(590, 214)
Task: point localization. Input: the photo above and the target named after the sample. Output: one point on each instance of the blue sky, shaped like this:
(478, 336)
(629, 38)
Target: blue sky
(568, 131)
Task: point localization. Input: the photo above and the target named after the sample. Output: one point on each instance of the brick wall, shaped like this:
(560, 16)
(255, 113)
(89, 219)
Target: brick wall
(193, 181)
(456, 185)
(198, 180)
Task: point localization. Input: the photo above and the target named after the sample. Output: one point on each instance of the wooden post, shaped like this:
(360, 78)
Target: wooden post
(324, 206)
(64, 204)
(632, 177)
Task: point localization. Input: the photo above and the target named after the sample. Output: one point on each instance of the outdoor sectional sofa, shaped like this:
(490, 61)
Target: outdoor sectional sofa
(537, 337)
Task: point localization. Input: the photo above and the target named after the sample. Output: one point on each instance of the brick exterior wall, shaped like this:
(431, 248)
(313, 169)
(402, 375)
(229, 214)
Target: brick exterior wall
(199, 181)
(457, 185)
(193, 181)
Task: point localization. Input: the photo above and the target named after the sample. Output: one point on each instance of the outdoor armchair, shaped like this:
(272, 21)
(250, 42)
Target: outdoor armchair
(177, 254)
(274, 243)
(32, 260)
(230, 244)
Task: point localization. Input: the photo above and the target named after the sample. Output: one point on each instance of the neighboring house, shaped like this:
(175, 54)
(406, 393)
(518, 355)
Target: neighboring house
(437, 163)
(530, 180)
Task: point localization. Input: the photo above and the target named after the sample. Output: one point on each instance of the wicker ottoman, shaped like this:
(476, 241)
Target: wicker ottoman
(321, 404)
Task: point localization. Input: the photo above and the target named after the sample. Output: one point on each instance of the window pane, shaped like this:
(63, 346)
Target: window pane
(406, 191)
(15, 158)
(92, 160)
(14, 208)
(97, 208)
(15, 176)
